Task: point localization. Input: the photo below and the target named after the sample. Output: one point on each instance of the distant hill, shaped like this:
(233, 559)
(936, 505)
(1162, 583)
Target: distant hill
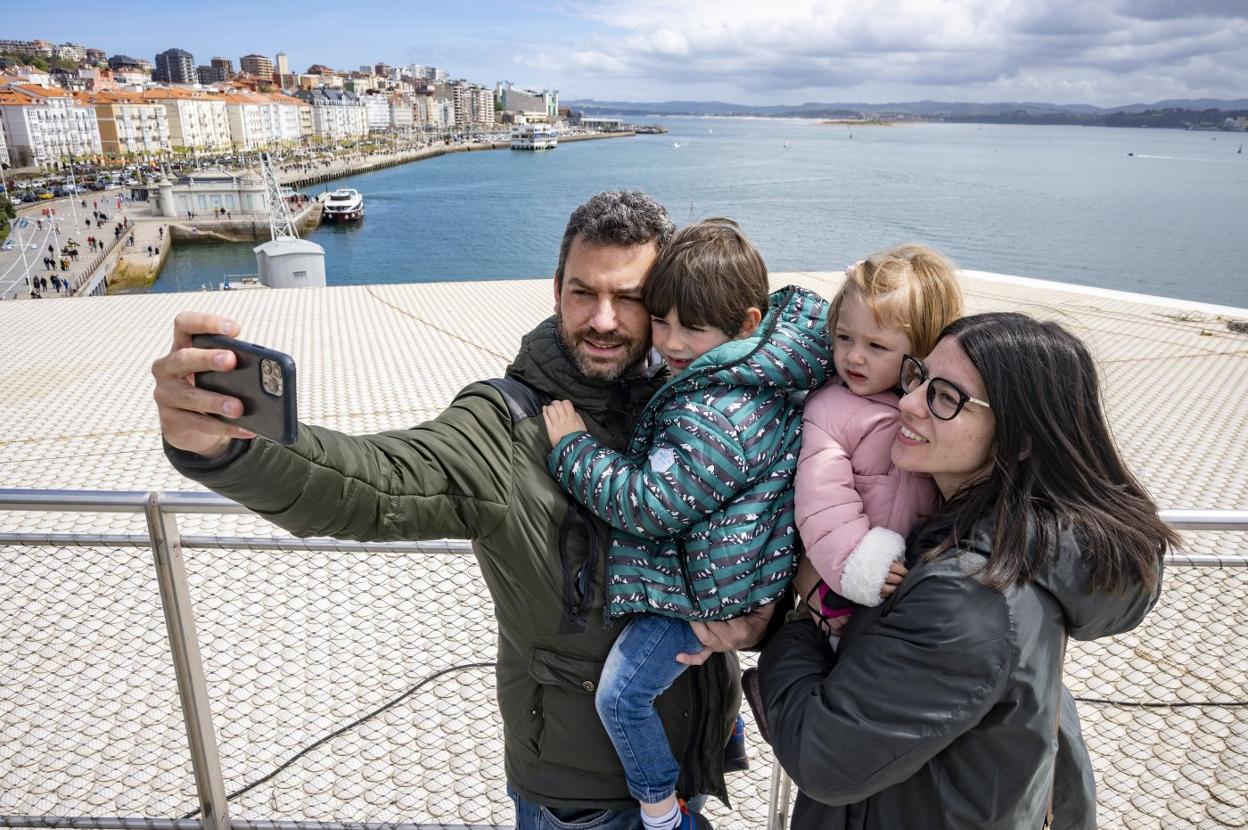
(1024, 112)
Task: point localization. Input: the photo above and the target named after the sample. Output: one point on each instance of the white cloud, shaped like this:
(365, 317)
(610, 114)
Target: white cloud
(1094, 51)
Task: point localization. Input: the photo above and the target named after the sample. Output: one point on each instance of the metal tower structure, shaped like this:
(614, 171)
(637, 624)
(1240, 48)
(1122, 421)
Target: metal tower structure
(280, 224)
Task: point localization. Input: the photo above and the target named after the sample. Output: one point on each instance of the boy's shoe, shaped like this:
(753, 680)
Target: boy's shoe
(690, 820)
(735, 759)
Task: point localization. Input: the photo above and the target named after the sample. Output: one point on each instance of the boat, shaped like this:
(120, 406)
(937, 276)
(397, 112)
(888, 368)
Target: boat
(533, 137)
(343, 205)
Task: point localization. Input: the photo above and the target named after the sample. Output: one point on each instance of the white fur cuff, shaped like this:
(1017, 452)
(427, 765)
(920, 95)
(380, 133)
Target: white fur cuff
(868, 565)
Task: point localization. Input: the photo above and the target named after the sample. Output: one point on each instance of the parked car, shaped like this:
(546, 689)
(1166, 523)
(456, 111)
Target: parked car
(45, 195)
(96, 186)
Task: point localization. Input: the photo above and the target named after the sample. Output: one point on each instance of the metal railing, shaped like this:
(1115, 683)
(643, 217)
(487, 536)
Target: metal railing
(167, 544)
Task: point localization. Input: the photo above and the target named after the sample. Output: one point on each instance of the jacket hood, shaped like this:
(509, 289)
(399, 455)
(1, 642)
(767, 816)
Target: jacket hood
(789, 350)
(1067, 575)
(543, 364)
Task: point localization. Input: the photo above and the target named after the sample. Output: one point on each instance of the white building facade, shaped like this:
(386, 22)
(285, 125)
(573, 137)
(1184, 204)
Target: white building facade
(47, 126)
(197, 120)
(336, 115)
(402, 113)
(378, 108)
(130, 125)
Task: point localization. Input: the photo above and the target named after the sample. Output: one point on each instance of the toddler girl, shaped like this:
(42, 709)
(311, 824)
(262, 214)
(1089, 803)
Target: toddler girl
(854, 507)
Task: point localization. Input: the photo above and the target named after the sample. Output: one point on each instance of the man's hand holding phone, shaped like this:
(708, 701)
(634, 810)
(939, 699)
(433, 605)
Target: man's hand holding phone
(187, 413)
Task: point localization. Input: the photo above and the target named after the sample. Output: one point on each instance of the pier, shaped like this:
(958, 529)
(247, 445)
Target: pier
(303, 640)
(354, 165)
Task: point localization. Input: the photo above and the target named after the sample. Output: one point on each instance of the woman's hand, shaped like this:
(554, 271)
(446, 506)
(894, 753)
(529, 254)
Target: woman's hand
(896, 573)
(561, 420)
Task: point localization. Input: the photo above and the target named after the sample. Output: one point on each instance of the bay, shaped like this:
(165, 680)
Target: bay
(1151, 211)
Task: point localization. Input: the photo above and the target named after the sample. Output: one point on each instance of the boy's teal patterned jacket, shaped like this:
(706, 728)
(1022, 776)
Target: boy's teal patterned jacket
(702, 500)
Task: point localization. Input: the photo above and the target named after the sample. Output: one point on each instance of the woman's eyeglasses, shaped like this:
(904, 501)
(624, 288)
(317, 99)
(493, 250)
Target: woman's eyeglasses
(944, 399)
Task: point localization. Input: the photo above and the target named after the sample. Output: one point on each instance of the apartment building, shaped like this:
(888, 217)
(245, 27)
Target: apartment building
(208, 75)
(46, 126)
(258, 65)
(377, 105)
(335, 114)
(258, 120)
(129, 124)
(295, 118)
(402, 117)
(29, 48)
(175, 66)
(197, 120)
(474, 104)
(75, 52)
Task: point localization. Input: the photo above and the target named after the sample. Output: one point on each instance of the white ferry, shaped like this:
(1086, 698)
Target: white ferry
(533, 137)
(343, 205)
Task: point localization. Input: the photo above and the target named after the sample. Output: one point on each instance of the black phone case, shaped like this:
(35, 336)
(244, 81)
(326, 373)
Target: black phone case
(272, 415)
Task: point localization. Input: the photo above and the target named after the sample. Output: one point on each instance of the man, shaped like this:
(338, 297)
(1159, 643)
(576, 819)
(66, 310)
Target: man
(474, 472)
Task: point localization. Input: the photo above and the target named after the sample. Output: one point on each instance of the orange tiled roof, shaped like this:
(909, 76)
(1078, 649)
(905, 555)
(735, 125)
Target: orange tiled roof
(45, 92)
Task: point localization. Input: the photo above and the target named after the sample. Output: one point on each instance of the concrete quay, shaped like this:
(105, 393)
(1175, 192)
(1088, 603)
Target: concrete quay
(299, 644)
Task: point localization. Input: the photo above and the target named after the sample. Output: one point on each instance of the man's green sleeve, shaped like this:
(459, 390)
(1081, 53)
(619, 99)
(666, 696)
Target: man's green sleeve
(447, 478)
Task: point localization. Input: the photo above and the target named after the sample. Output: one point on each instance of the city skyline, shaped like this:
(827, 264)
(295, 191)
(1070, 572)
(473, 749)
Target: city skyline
(1102, 52)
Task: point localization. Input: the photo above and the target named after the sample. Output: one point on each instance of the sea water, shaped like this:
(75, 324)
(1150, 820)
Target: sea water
(1160, 212)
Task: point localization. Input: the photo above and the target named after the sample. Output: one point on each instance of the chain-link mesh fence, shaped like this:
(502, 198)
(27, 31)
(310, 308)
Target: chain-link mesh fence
(349, 686)
(90, 723)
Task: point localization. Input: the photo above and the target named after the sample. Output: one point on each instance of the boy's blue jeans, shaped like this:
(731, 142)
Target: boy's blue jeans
(641, 666)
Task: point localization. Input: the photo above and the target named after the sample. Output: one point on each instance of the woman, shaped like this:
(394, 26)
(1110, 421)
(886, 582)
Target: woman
(942, 708)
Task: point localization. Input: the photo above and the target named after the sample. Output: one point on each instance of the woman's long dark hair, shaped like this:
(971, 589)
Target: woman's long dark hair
(1055, 466)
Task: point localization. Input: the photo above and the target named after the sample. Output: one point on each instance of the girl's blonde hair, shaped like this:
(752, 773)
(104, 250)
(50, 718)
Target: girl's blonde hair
(912, 287)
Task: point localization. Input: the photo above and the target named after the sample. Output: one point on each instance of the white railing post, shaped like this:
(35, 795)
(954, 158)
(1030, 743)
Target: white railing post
(175, 600)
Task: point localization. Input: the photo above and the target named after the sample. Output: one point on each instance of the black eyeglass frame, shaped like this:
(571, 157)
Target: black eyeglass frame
(926, 377)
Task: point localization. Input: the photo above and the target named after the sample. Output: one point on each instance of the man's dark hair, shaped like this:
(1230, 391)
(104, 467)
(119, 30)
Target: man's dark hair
(711, 274)
(1055, 466)
(616, 217)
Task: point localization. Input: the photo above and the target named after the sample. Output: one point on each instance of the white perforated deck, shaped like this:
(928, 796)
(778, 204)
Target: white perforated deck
(297, 645)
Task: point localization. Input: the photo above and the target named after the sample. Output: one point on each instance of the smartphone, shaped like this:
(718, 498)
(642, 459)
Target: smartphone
(263, 379)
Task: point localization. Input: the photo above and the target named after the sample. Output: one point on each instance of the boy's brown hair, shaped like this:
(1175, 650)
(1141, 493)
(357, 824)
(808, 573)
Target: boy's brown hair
(711, 274)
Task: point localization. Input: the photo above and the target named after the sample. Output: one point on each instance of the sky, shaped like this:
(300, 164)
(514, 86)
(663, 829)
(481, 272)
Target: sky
(1100, 52)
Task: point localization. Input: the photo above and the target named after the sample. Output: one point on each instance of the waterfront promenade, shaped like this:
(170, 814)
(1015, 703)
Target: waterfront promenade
(301, 643)
(132, 264)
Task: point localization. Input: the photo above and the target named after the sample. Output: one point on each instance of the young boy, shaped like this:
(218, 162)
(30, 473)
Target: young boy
(702, 499)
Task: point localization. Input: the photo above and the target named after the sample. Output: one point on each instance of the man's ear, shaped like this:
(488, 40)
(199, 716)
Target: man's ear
(558, 286)
(752, 318)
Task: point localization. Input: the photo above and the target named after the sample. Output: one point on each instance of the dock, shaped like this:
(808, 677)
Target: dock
(302, 642)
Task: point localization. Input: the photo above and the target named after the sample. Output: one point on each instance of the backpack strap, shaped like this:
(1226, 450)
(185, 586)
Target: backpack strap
(523, 401)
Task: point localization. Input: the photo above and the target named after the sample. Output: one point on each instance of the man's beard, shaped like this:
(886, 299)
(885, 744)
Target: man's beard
(601, 368)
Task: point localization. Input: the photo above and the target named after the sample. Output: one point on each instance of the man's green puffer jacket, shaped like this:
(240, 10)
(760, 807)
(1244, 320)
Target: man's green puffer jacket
(471, 473)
